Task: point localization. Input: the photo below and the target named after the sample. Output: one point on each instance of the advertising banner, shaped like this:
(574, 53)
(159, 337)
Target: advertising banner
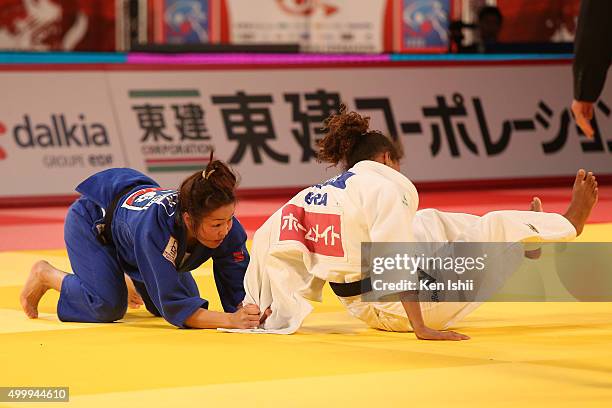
(463, 123)
(459, 123)
(48, 25)
(317, 25)
(53, 132)
(423, 25)
(180, 21)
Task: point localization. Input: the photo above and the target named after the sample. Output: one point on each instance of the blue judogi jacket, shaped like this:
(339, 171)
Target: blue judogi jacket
(150, 243)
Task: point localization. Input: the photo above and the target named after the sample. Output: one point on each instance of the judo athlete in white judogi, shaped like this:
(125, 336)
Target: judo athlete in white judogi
(316, 237)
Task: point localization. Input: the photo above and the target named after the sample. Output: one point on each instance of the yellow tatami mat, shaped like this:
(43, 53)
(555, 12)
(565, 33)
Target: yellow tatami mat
(520, 354)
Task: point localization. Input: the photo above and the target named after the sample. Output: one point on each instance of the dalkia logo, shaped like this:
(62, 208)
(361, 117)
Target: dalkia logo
(2, 132)
(59, 132)
(306, 7)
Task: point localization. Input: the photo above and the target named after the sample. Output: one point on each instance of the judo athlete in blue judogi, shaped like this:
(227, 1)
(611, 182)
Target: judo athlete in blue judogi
(124, 222)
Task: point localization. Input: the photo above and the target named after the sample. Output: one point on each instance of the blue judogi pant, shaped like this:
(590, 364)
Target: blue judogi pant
(96, 292)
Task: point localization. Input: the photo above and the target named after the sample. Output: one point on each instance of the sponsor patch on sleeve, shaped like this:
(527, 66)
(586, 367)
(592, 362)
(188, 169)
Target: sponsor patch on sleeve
(171, 250)
(144, 198)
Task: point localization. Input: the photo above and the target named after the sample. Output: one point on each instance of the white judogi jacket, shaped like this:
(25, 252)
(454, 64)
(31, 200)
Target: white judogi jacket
(317, 236)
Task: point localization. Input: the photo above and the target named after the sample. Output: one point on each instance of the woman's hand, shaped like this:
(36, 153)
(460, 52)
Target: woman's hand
(583, 113)
(134, 299)
(413, 311)
(425, 333)
(246, 317)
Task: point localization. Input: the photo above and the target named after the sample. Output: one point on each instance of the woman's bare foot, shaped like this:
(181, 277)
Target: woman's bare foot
(34, 288)
(584, 198)
(535, 205)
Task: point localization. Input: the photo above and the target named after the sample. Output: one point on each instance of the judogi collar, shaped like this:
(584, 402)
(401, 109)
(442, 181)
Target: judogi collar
(410, 192)
(185, 263)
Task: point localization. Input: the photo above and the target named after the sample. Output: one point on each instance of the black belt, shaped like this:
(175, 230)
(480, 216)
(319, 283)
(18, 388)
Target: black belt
(352, 288)
(105, 235)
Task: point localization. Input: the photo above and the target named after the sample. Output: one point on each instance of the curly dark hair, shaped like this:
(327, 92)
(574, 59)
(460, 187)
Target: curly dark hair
(349, 140)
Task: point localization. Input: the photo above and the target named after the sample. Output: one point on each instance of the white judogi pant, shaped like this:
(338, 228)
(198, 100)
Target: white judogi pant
(431, 225)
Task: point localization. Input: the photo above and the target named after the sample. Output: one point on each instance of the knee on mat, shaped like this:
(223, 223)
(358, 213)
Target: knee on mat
(109, 312)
